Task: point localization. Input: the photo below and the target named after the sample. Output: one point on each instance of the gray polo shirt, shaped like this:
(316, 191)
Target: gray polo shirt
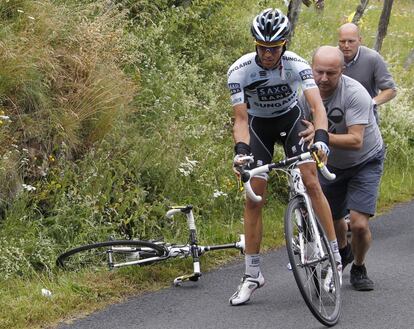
(349, 105)
(369, 68)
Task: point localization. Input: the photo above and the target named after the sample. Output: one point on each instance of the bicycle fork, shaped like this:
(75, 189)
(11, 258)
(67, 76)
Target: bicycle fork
(195, 251)
(311, 221)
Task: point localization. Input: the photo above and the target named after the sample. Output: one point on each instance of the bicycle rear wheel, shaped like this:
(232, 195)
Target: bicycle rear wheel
(111, 254)
(314, 270)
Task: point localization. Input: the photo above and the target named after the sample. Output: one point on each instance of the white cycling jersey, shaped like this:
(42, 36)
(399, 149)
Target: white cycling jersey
(269, 93)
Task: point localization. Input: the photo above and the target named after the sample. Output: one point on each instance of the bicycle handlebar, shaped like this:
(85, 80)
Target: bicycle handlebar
(176, 209)
(172, 212)
(246, 175)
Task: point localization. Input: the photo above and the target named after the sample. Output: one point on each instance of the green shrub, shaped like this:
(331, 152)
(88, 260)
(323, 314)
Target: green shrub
(61, 83)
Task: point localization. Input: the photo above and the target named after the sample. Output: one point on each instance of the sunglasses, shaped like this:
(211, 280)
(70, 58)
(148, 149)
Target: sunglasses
(273, 47)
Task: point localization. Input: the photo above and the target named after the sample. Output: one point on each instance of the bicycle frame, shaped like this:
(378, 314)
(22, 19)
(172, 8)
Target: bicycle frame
(296, 187)
(191, 249)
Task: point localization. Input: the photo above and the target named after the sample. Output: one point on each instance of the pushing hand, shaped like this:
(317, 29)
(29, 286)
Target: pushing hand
(309, 133)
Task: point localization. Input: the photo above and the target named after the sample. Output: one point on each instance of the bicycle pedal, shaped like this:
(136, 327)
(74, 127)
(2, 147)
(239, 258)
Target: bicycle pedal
(188, 277)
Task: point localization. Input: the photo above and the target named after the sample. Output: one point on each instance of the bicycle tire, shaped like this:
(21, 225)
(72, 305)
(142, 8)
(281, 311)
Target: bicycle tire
(324, 305)
(110, 254)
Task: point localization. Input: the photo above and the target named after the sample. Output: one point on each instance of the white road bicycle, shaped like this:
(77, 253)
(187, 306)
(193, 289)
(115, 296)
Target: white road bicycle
(114, 254)
(311, 258)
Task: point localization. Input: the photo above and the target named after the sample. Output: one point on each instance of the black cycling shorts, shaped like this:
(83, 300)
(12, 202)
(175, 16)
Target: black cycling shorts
(284, 129)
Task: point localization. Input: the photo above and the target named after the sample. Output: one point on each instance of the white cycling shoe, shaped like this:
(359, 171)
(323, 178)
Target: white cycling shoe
(328, 283)
(245, 289)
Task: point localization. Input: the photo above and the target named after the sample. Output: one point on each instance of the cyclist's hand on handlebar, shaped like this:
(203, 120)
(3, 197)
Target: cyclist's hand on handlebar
(241, 160)
(243, 156)
(323, 151)
(309, 133)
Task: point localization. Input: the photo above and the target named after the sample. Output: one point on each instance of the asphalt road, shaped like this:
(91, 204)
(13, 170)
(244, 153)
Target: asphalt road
(204, 304)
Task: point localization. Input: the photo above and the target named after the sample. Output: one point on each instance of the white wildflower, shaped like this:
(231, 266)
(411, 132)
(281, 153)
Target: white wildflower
(186, 168)
(5, 117)
(20, 11)
(184, 172)
(29, 187)
(46, 293)
(191, 162)
(218, 193)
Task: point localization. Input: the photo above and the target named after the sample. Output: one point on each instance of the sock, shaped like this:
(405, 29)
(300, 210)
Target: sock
(252, 265)
(335, 249)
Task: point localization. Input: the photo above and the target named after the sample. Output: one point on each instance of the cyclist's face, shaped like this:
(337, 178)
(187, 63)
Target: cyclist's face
(327, 72)
(269, 53)
(349, 42)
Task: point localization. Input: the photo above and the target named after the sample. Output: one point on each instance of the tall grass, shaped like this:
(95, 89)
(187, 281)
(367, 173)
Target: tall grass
(61, 83)
(119, 109)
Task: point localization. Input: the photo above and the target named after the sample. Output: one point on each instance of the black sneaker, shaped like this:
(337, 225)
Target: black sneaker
(359, 278)
(346, 256)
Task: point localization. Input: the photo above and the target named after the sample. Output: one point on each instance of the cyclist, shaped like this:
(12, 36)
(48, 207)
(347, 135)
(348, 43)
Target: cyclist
(357, 156)
(366, 66)
(264, 88)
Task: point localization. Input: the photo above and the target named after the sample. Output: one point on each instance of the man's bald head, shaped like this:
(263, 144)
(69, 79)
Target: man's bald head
(349, 28)
(327, 67)
(349, 40)
(329, 55)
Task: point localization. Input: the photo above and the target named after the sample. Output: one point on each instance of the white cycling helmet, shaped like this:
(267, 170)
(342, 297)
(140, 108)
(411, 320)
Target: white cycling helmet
(270, 25)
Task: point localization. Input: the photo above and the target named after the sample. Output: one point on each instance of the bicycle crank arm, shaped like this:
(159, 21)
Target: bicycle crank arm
(314, 262)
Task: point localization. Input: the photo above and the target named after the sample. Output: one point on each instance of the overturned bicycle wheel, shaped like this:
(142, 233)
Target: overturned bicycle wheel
(111, 254)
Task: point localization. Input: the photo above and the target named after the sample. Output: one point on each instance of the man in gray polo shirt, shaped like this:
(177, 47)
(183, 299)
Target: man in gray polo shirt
(356, 157)
(366, 66)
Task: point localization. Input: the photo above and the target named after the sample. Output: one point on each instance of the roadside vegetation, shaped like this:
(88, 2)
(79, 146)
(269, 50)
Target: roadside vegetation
(111, 111)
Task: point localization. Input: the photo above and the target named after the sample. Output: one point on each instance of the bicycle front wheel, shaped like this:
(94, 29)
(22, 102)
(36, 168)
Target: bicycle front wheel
(111, 254)
(312, 263)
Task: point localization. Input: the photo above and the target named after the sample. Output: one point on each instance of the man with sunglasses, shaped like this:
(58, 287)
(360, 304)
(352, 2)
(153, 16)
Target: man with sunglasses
(264, 87)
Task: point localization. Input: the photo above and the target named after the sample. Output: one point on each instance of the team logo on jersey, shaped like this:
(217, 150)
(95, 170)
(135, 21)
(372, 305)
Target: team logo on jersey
(294, 59)
(335, 117)
(306, 74)
(234, 88)
(238, 67)
(274, 93)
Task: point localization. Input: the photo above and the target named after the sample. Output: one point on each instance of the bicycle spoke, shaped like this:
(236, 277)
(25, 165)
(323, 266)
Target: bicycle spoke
(311, 259)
